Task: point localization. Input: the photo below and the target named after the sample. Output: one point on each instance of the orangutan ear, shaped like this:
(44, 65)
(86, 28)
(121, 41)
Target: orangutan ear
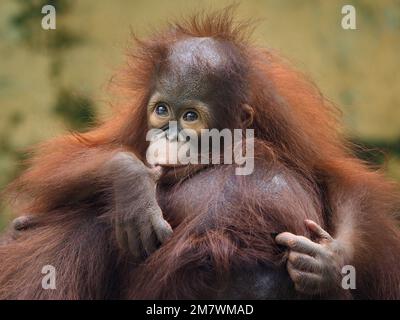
(248, 115)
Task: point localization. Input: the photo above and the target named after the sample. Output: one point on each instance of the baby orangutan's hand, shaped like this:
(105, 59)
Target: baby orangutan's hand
(314, 267)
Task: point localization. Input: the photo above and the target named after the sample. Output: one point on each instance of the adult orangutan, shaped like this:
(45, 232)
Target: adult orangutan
(98, 213)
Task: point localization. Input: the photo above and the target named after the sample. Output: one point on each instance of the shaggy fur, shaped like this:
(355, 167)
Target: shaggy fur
(223, 224)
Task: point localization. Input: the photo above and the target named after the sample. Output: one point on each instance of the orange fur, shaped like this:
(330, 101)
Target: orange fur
(297, 129)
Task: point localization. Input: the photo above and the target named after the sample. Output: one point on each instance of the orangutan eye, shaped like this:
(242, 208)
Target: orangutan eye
(161, 110)
(190, 116)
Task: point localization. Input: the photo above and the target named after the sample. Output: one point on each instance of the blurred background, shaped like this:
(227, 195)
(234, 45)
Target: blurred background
(53, 81)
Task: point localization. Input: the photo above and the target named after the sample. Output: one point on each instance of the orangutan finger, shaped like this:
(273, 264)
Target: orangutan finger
(298, 243)
(317, 230)
(303, 262)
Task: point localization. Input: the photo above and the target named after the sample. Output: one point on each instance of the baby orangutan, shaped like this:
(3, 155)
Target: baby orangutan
(103, 218)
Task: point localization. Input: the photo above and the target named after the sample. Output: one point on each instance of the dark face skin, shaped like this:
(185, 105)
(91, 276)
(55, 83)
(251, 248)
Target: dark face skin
(184, 90)
(194, 87)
